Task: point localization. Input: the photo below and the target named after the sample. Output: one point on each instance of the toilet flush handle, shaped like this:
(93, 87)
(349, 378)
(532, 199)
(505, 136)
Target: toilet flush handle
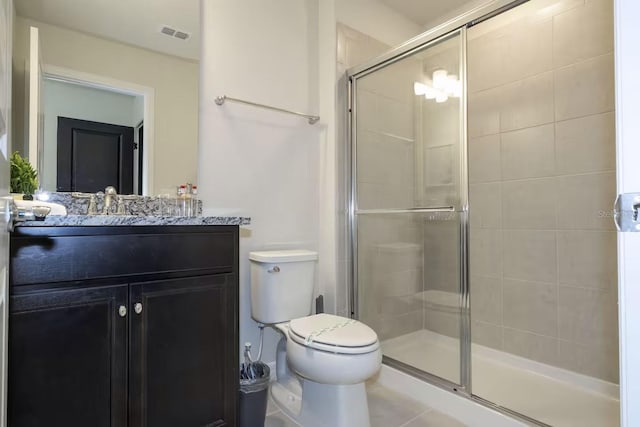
(275, 269)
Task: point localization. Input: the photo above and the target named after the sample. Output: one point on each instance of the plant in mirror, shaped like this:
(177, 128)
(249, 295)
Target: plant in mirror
(109, 86)
(24, 179)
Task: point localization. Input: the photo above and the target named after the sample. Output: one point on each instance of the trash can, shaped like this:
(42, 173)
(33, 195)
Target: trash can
(254, 395)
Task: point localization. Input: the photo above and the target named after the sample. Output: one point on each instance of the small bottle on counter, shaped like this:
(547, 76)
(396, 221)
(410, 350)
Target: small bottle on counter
(180, 200)
(194, 200)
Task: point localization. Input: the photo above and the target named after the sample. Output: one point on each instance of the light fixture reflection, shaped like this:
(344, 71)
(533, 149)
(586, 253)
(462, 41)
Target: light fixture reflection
(442, 86)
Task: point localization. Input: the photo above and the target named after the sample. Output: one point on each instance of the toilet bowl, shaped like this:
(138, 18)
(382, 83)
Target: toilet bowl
(331, 357)
(322, 360)
(349, 354)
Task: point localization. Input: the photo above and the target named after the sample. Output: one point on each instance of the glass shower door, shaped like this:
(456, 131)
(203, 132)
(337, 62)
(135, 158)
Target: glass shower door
(409, 190)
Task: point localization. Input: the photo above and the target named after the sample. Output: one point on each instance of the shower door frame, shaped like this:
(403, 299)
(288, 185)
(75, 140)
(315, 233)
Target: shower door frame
(464, 386)
(432, 37)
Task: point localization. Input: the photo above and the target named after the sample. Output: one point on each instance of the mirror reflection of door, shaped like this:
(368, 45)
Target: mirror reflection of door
(96, 147)
(93, 155)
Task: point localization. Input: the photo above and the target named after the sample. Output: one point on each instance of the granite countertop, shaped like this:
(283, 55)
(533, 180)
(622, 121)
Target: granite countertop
(130, 220)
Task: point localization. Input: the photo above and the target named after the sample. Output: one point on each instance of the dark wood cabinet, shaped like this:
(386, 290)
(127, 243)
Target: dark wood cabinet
(179, 352)
(134, 335)
(67, 358)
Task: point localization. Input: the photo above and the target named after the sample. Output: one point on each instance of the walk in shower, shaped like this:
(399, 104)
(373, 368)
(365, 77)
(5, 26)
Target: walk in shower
(482, 175)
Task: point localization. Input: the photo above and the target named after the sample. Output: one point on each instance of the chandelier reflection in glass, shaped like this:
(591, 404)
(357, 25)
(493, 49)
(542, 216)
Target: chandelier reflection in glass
(441, 86)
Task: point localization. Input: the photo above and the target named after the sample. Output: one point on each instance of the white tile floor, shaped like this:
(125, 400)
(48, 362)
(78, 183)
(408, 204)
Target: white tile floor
(386, 409)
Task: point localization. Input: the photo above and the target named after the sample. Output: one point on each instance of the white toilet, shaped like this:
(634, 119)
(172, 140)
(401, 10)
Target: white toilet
(331, 356)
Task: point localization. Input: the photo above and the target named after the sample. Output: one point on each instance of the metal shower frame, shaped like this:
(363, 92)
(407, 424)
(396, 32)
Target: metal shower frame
(453, 28)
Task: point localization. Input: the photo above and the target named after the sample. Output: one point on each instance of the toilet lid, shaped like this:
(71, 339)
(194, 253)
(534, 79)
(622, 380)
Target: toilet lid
(332, 330)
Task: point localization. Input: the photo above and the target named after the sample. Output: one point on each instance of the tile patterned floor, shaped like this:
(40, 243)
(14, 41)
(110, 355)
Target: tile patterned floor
(386, 409)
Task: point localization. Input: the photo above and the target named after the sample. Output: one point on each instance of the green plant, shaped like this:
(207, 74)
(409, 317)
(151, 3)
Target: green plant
(23, 176)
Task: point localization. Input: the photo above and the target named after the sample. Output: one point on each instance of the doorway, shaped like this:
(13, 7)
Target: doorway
(93, 156)
(127, 104)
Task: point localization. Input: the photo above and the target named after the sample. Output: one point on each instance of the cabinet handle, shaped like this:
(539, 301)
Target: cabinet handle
(137, 307)
(122, 311)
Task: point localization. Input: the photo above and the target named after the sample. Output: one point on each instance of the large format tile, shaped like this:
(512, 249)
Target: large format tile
(486, 299)
(585, 201)
(485, 205)
(528, 49)
(485, 255)
(484, 159)
(530, 255)
(486, 62)
(433, 419)
(526, 103)
(528, 153)
(441, 255)
(529, 204)
(442, 322)
(440, 165)
(440, 122)
(593, 360)
(395, 117)
(486, 334)
(387, 408)
(532, 346)
(585, 88)
(530, 306)
(588, 316)
(367, 106)
(588, 259)
(583, 32)
(586, 144)
(484, 112)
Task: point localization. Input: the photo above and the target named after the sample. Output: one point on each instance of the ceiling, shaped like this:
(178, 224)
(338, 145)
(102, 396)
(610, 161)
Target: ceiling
(138, 22)
(424, 12)
(135, 22)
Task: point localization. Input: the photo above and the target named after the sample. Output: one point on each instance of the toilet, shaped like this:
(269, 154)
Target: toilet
(322, 360)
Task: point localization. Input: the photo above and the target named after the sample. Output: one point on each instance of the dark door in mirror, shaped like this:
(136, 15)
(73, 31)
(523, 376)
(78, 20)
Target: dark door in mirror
(93, 155)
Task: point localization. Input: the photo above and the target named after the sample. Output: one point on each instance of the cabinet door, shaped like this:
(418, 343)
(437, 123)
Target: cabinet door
(68, 358)
(184, 352)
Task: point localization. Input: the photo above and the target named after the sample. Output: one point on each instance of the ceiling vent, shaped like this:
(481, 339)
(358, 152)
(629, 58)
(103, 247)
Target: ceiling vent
(172, 32)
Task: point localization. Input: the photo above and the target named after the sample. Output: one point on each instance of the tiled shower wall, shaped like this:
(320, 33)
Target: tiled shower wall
(439, 147)
(390, 246)
(542, 181)
(542, 184)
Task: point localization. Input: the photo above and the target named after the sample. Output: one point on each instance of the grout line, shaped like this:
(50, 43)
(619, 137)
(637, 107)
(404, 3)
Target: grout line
(553, 69)
(416, 417)
(546, 123)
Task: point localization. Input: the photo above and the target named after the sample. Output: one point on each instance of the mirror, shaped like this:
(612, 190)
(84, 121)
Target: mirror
(118, 93)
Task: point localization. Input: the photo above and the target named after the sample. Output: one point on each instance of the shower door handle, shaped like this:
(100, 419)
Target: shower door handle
(626, 212)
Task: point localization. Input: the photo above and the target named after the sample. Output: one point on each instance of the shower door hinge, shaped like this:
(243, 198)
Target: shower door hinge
(626, 212)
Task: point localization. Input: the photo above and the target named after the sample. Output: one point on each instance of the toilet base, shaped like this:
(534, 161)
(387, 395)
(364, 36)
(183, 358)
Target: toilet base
(322, 405)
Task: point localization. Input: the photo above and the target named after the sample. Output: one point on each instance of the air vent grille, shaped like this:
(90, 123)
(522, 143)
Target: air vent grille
(172, 32)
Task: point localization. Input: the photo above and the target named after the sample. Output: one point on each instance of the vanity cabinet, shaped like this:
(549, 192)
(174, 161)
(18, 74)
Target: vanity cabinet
(123, 326)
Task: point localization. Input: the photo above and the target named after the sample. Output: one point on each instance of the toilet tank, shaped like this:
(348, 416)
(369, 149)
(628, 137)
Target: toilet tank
(281, 284)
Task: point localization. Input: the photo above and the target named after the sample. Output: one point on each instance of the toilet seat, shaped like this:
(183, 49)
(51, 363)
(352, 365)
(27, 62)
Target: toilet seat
(334, 334)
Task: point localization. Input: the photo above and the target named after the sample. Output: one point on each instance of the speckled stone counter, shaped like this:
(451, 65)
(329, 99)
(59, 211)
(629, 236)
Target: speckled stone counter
(138, 206)
(130, 220)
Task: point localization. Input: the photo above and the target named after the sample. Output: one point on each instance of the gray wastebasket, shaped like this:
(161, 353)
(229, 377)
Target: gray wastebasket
(254, 395)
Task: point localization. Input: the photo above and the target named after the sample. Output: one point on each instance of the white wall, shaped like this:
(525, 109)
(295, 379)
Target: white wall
(79, 102)
(377, 20)
(174, 80)
(252, 161)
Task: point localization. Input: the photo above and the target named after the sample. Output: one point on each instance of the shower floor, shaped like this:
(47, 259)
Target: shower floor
(551, 395)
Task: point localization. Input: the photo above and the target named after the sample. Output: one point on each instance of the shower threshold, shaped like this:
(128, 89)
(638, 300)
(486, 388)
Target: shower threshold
(551, 395)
